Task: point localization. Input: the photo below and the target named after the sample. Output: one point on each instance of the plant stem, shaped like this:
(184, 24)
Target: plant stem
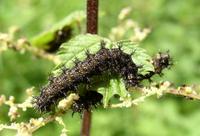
(92, 27)
(92, 16)
(86, 124)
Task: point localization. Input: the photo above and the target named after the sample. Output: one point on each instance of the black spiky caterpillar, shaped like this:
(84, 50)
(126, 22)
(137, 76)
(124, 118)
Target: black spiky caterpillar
(114, 61)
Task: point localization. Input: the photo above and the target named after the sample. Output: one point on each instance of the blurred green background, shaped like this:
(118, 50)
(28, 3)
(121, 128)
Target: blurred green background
(175, 26)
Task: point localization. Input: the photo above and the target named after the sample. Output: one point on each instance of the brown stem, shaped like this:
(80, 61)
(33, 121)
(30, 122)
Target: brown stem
(92, 16)
(86, 124)
(92, 27)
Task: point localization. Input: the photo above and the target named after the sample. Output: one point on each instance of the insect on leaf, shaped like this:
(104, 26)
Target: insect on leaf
(112, 85)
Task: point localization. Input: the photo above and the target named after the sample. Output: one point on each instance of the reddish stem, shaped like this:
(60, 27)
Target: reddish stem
(92, 27)
(92, 16)
(86, 124)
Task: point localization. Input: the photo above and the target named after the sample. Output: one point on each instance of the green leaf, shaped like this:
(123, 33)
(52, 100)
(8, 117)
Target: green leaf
(115, 87)
(44, 39)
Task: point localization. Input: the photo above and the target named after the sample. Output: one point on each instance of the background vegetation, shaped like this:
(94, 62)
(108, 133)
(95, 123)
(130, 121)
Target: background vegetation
(175, 26)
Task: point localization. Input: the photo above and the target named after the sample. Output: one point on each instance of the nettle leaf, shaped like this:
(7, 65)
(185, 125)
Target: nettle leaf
(107, 85)
(115, 87)
(65, 29)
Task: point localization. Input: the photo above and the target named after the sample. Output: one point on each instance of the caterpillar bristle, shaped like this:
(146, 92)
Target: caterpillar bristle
(132, 53)
(102, 44)
(88, 54)
(64, 69)
(76, 61)
(51, 78)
